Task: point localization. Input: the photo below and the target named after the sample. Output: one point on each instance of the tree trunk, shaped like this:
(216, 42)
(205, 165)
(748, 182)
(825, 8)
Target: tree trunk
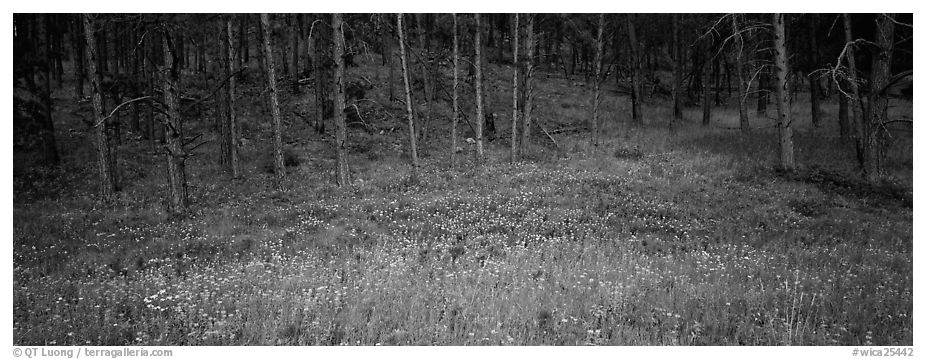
(585, 63)
(55, 47)
(193, 64)
(79, 71)
(183, 60)
(60, 25)
(815, 114)
(718, 84)
(261, 53)
(221, 103)
(742, 95)
(762, 100)
(785, 144)
(278, 166)
(49, 147)
(118, 50)
(244, 59)
(877, 98)
(558, 48)
(676, 71)
(135, 65)
(302, 56)
(203, 61)
(173, 130)
(155, 132)
(844, 129)
(635, 79)
(489, 117)
(232, 126)
(706, 85)
(413, 146)
(575, 59)
(103, 147)
(528, 84)
(858, 122)
(500, 46)
(103, 51)
(479, 104)
(343, 171)
(514, 91)
(426, 76)
(387, 58)
(596, 101)
(322, 67)
(112, 125)
(728, 79)
(456, 97)
(294, 48)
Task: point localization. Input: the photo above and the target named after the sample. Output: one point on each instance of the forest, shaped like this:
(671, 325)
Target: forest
(462, 179)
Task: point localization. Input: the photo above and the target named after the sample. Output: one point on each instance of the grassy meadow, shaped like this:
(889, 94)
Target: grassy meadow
(662, 235)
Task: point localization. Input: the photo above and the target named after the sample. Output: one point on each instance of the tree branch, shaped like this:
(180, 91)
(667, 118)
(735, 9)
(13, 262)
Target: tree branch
(897, 22)
(113, 113)
(215, 90)
(190, 153)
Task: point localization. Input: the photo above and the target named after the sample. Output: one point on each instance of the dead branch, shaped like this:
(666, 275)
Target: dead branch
(897, 22)
(113, 113)
(192, 139)
(540, 125)
(214, 90)
(367, 126)
(189, 153)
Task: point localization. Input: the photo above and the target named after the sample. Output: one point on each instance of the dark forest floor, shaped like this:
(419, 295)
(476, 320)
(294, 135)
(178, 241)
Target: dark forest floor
(659, 236)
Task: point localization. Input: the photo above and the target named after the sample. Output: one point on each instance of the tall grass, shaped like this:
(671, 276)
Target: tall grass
(659, 236)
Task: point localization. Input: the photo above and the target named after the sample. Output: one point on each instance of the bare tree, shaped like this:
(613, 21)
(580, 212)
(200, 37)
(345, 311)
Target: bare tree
(426, 76)
(854, 98)
(785, 144)
(103, 146)
(413, 146)
(874, 128)
(742, 95)
(706, 87)
(596, 101)
(514, 92)
(636, 75)
(456, 97)
(294, 35)
(78, 43)
(386, 38)
(815, 114)
(528, 84)
(221, 103)
(136, 73)
(173, 127)
(843, 117)
(278, 165)
(764, 92)
(343, 171)
(47, 123)
(322, 64)
(479, 103)
(676, 71)
(232, 126)
(244, 48)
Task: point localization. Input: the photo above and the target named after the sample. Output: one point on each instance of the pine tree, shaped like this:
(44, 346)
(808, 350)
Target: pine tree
(413, 146)
(278, 166)
(785, 144)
